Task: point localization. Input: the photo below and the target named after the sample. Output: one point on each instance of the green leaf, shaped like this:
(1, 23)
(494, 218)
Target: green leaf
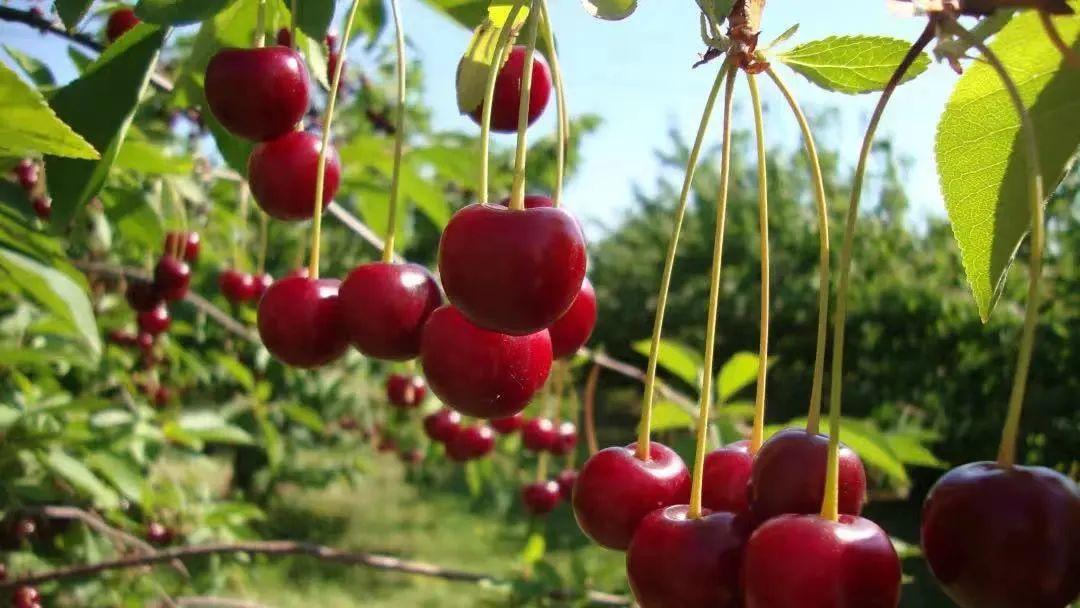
(737, 373)
(272, 442)
(81, 60)
(123, 474)
(475, 64)
(313, 17)
(146, 157)
(81, 478)
(852, 64)
(534, 550)
(211, 427)
(72, 11)
(179, 12)
(911, 451)
(134, 217)
(676, 358)
(304, 416)
(611, 10)
(39, 73)
(980, 156)
(668, 416)
(468, 13)
(30, 127)
(99, 105)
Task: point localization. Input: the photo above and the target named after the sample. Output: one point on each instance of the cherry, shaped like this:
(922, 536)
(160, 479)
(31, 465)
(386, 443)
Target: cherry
(566, 480)
(3, 571)
(187, 242)
(512, 271)
(262, 281)
(299, 321)
(172, 278)
(471, 442)
(807, 561)
(1004, 537)
(155, 321)
(572, 330)
(24, 529)
(565, 439)
(162, 396)
(27, 174)
(615, 490)
(539, 435)
(120, 22)
(142, 295)
(479, 372)
(284, 37)
(725, 478)
(259, 93)
(158, 534)
(236, 286)
(386, 444)
(282, 174)
(411, 457)
(121, 337)
(442, 425)
(674, 560)
(386, 306)
(788, 476)
(145, 341)
(507, 99)
(540, 498)
(25, 596)
(331, 41)
(509, 424)
(405, 391)
(42, 207)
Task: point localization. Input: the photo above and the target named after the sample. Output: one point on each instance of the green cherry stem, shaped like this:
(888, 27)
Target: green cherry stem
(697, 482)
(399, 136)
(292, 22)
(1007, 449)
(260, 25)
(589, 409)
(241, 220)
(263, 242)
(645, 425)
(757, 435)
(517, 191)
(830, 508)
(813, 418)
(498, 56)
(320, 177)
(563, 128)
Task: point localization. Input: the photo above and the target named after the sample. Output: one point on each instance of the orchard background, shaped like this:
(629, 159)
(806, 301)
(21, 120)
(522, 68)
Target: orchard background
(109, 449)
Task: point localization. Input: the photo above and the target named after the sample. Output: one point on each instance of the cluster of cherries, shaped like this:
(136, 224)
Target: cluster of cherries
(28, 174)
(241, 287)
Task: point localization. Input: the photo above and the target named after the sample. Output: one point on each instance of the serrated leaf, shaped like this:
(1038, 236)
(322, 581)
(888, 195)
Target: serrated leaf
(479, 56)
(852, 64)
(72, 11)
(30, 126)
(980, 156)
(610, 10)
(134, 217)
(37, 70)
(81, 478)
(178, 12)
(676, 358)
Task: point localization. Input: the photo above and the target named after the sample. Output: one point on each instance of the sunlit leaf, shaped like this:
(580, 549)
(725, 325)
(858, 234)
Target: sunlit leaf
(676, 358)
(611, 10)
(851, 64)
(31, 127)
(179, 12)
(81, 478)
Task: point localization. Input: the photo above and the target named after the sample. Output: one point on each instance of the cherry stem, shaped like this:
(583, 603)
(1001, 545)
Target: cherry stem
(669, 264)
(263, 242)
(1007, 449)
(559, 388)
(399, 137)
(501, 48)
(563, 128)
(757, 431)
(292, 23)
(240, 223)
(1071, 57)
(589, 414)
(813, 418)
(541, 466)
(260, 25)
(830, 508)
(697, 483)
(517, 196)
(320, 177)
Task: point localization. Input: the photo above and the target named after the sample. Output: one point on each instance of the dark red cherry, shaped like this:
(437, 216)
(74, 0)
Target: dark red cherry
(405, 391)
(172, 278)
(162, 396)
(299, 321)
(121, 337)
(259, 93)
(726, 477)
(142, 295)
(471, 443)
(540, 498)
(158, 534)
(507, 99)
(788, 476)
(675, 561)
(42, 207)
(331, 41)
(24, 529)
(155, 321)
(442, 425)
(185, 243)
(25, 596)
(807, 561)
(120, 22)
(511, 271)
(539, 435)
(615, 490)
(236, 286)
(1004, 537)
(284, 37)
(386, 306)
(27, 173)
(572, 330)
(145, 341)
(565, 439)
(509, 424)
(262, 281)
(282, 174)
(566, 480)
(479, 372)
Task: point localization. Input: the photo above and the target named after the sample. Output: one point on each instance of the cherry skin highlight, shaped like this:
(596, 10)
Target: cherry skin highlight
(565, 439)
(678, 562)
(442, 425)
(236, 286)
(471, 443)
(788, 476)
(158, 534)
(514, 272)
(259, 94)
(726, 478)
(282, 174)
(155, 321)
(188, 243)
(566, 480)
(539, 435)
(615, 490)
(172, 277)
(1004, 537)
(479, 372)
(120, 22)
(506, 102)
(509, 424)
(262, 281)
(405, 391)
(142, 295)
(807, 561)
(540, 498)
(299, 321)
(385, 307)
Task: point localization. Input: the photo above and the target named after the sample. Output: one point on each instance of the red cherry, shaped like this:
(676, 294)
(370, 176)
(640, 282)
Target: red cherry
(471, 443)
(540, 498)
(27, 174)
(284, 37)
(42, 207)
(282, 174)
(263, 281)
(259, 93)
(386, 444)
(507, 99)
(615, 490)
(1004, 537)
(300, 322)
(509, 424)
(3, 571)
(120, 22)
(405, 391)
(155, 321)
(565, 439)
(539, 435)
(479, 372)
(386, 306)
(674, 560)
(566, 480)
(162, 396)
(236, 286)
(301, 272)
(145, 341)
(806, 561)
(788, 476)
(121, 337)
(332, 60)
(172, 278)
(158, 534)
(142, 295)
(442, 425)
(24, 529)
(572, 330)
(725, 478)
(331, 41)
(188, 242)
(25, 596)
